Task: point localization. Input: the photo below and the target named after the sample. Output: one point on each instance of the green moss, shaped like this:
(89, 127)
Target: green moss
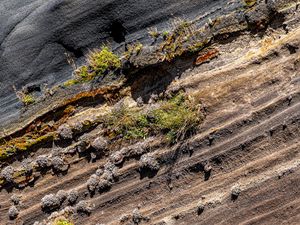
(18, 145)
(63, 222)
(27, 99)
(102, 61)
(71, 82)
(249, 3)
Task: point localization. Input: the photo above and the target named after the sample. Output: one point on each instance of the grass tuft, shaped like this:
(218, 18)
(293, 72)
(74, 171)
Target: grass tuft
(174, 118)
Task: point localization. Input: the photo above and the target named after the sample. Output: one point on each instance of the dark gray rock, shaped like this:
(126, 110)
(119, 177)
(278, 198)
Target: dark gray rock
(36, 34)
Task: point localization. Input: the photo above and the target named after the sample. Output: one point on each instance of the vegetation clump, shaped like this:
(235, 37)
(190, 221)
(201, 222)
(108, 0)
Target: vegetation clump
(62, 222)
(174, 118)
(133, 50)
(249, 3)
(99, 63)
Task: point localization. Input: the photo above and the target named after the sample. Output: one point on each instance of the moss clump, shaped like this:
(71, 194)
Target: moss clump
(102, 61)
(174, 118)
(28, 99)
(249, 3)
(62, 222)
(23, 144)
(71, 82)
(99, 63)
(179, 41)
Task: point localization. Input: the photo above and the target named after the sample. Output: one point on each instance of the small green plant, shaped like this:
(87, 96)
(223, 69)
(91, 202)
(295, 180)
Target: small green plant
(100, 61)
(25, 98)
(153, 32)
(165, 34)
(133, 49)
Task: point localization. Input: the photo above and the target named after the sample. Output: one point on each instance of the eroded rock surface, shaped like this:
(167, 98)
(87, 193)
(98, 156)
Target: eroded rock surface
(201, 125)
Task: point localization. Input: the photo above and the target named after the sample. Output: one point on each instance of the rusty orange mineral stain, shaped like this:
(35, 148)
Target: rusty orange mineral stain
(206, 56)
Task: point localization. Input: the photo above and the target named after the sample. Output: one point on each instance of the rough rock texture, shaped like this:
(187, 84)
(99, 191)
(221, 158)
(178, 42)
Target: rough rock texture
(239, 165)
(36, 34)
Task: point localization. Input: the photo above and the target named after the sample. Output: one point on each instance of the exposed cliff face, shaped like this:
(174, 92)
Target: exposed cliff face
(35, 35)
(199, 125)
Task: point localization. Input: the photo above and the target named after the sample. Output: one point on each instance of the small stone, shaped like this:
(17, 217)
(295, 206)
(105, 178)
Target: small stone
(58, 164)
(65, 131)
(117, 158)
(83, 207)
(207, 168)
(61, 195)
(15, 199)
(140, 101)
(200, 207)
(136, 216)
(72, 196)
(50, 202)
(82, 146)
(100, 144)
(43, 161)
(235, 191)
(93, 155)
(148, 161)
(92, 182)
(8, 173)
(13, 212)
(99, 172)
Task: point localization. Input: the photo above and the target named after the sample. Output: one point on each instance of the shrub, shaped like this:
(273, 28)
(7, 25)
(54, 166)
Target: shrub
(58, 164)
(83, 207)
(100, 144)
(174, 118)
(61, 195)
(27, 99)
(92, 182)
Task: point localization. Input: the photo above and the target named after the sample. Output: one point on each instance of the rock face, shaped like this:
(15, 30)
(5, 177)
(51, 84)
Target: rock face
(36, 34)
(199, 125)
